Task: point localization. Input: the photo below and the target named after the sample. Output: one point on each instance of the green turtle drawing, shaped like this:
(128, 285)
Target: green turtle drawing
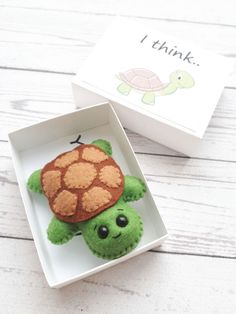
(150, 85)
(89, 195)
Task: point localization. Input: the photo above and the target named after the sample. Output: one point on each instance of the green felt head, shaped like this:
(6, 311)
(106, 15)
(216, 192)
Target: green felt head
(114, 232)
(182, 79)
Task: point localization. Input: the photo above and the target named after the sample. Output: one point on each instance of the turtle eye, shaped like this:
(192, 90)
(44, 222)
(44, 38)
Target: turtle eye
(103, 232)
(122, 221)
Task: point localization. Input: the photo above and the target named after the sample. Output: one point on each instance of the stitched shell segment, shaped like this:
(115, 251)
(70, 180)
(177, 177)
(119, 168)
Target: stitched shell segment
(80, 175)
(51, 182)
(94, 155)
(110, 176)
(81, 183)
(66, 159)
(65, 203)
(95, 198)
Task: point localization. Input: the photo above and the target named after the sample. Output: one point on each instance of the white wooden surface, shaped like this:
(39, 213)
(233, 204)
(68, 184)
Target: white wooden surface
(42, 44)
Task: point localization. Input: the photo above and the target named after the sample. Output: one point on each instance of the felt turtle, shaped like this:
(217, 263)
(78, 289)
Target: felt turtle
(89, 194)
(150, 85)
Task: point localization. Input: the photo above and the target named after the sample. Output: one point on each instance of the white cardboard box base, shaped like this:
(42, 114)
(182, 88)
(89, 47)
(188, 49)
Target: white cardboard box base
(34, 146)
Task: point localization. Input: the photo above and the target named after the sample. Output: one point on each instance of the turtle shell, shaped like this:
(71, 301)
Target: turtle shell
(142, 79)
(81, 183)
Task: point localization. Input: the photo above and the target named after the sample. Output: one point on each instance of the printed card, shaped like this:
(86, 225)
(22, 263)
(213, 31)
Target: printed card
(157, 74)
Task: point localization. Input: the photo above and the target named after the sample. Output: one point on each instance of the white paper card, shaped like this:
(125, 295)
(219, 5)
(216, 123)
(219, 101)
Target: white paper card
(157, 75)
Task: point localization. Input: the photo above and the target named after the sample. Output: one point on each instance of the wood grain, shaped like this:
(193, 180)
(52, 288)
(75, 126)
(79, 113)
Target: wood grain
(219, 14)
(42, 44)
(27, 97)
(152, 282)
(25, 38)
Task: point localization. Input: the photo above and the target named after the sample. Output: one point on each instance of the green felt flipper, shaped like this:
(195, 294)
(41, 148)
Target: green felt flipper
(34, 183)
(134, 189)
(60, 232)
(104, 145)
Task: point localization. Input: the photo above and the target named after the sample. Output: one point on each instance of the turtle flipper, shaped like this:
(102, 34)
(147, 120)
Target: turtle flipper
(104, 145)
(34, 182)
(149, 98)
(124, 89)
(134, 189)
(60, 232)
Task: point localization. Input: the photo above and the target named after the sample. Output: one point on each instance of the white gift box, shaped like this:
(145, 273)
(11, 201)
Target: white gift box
(32, 147)
(161, 87)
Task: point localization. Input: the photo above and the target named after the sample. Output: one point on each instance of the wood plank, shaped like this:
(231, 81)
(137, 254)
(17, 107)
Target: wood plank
(28, 97)
(196, 199)
(222, 13)
(25, 40)
(195, 196)
(13, 221)
(37, 96)
(151, 282)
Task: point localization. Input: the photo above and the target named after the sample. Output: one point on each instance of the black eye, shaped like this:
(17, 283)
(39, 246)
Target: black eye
(179, 77)
(122, 221)
(103, 232)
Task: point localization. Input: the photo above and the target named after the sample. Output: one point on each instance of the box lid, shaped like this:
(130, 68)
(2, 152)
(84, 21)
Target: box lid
(159, 78)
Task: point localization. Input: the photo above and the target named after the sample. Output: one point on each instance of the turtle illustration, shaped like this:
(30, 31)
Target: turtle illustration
(150, 85)
(88, 194)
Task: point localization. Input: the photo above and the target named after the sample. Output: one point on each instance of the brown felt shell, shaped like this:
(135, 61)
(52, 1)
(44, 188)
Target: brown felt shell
(98, 187)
